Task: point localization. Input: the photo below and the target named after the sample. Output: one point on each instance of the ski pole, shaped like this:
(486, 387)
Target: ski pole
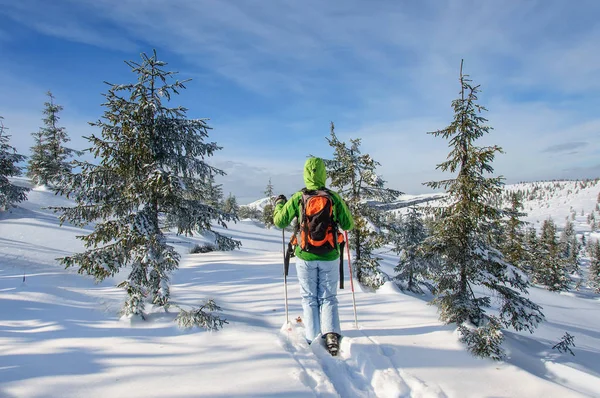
(285, 272)
(351, 281)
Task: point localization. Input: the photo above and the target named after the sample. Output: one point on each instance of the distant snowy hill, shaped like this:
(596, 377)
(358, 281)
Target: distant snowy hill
(560, 200)
(258, 204)
(541, 200)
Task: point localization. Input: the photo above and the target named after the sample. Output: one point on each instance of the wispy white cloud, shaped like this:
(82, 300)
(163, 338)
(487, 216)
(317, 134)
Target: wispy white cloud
(69, 23)
(382, 48)
(569, 147)
(266, 46)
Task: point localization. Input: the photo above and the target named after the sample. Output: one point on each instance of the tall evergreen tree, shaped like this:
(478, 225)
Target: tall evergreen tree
(49, 161)
(151, 177)
(551, 269)
(231, 206)
(594, 269)
(37, 165)
(532, 248)
(267, 214)
(513, 231)
(570, 248)
(463, 237)
(413, 266)
(354, 174)
(269, 192)
(211, 193)
(9, 159)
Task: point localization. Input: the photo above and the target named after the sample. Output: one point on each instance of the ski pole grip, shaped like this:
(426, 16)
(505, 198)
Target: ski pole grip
(286, 260)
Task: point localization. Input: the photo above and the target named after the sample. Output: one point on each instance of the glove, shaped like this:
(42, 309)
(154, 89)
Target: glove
(280, 199)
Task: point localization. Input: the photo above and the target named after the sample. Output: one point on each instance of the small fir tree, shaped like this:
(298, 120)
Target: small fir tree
(565, 343)
(269, 192)
(50, 157)
(463, 237)
(205, 317)
(10, 194)
(413, 266)
(212, 193)
(36, 168)
(513, 230)
(570, 248)
(354, 174)
(267, 213)
(594, 268)
(151, 178)
(551, 270)
(532, 251)
(231, 206)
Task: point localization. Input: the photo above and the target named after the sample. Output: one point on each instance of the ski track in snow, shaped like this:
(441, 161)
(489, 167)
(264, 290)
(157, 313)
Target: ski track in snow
(362, 369)
(311, 372)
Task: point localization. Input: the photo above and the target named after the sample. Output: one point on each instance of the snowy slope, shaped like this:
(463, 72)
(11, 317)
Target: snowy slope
(258, 204)
(559, 200)
(60, 334)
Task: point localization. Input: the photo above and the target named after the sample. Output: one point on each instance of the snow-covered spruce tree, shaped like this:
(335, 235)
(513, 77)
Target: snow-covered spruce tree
(50, 157)
(151, 177)
(10, 194)
(212, 193)
(570, 248)
(551, 269)
(462, 237)
(413, 265)
(267, 213)
(594, 269)
(533, 250)
(512, 229)
(353, 174)
(231, 206)
(269, 191)
(36, 167)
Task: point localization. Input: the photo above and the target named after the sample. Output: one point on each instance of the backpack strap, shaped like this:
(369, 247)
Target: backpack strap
(294, 238)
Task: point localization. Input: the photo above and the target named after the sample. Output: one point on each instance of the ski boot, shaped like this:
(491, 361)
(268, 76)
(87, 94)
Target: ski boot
(332, 342)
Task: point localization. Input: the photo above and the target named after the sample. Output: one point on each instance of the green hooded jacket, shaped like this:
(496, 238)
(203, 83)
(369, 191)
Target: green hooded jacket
(314, 178)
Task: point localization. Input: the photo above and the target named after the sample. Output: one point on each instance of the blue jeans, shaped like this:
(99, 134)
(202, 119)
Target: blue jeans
(318, 288)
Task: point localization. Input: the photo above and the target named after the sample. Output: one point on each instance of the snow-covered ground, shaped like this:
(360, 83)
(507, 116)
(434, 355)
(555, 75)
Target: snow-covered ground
(61, 336)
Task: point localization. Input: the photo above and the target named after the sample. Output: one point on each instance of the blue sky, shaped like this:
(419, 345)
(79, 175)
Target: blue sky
(271, 75)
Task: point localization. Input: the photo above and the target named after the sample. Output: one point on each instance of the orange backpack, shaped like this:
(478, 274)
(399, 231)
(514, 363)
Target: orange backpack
(318, 230)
